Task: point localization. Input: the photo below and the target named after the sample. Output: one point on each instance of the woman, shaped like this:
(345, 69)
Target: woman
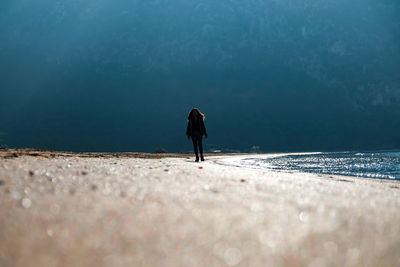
(195, 130)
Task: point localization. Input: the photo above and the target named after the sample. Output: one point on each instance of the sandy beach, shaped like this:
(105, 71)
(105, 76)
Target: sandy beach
(135, 209)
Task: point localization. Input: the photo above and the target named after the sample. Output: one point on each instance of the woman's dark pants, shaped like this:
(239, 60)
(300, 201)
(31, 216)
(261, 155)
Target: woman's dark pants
(197, 140)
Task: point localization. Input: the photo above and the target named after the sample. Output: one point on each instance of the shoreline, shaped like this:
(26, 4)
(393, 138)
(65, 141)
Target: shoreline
(18, 152)
(225, 159)
(73, 210)
(233, 161)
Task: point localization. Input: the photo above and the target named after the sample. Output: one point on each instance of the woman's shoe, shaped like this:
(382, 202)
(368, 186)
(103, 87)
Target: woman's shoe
(197, 158)
(202, 158)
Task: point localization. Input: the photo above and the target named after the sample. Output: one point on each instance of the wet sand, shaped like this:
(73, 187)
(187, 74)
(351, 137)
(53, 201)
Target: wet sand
(136, 209)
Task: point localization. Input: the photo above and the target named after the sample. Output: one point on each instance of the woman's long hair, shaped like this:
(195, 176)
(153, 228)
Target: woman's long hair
(192, 114)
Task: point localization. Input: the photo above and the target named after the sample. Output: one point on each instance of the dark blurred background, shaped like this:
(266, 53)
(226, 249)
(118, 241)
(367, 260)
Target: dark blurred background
(121, 75)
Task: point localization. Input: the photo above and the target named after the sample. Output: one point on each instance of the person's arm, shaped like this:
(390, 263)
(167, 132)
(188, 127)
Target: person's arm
(188, 130)
(204, 128)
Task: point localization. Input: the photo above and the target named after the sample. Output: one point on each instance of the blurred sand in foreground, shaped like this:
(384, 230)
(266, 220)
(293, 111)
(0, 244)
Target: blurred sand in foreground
(133, 209)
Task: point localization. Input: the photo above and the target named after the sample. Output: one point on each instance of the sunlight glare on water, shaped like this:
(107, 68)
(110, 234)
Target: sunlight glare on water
(382, 165)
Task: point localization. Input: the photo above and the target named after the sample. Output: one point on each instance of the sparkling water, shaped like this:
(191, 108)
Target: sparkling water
(381, 164)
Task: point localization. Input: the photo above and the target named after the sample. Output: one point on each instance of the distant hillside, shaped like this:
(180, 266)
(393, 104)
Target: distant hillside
(121, 75)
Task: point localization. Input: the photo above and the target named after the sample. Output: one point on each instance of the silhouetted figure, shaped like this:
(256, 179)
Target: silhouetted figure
(195, 130)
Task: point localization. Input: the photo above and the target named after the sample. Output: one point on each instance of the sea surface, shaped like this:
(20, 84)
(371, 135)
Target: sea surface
(379, 164)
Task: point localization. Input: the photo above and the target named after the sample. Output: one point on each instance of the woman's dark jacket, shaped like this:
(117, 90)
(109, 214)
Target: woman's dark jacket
(196, 127)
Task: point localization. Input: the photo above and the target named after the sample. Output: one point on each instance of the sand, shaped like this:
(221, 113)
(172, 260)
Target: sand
(67, 209)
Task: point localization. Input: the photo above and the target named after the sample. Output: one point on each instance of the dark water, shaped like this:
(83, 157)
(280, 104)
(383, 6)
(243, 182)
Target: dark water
(382, 165)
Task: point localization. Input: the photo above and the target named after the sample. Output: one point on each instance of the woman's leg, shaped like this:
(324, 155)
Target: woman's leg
(195, 144)
(200, 143)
